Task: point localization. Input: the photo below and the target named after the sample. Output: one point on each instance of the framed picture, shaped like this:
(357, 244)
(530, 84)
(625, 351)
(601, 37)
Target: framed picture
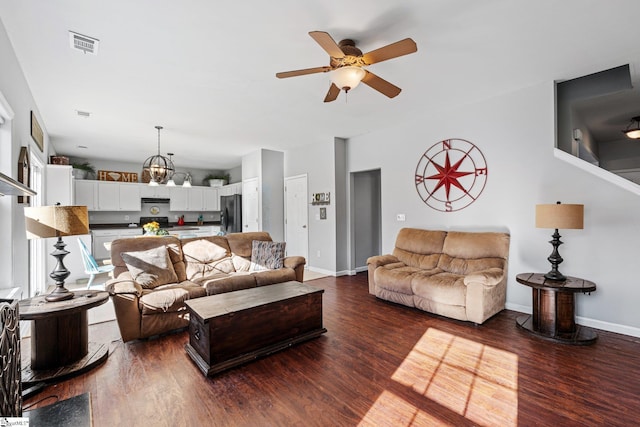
(36, 132)
(24, 172)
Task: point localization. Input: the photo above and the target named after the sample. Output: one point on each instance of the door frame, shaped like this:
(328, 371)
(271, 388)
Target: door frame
(306, 206)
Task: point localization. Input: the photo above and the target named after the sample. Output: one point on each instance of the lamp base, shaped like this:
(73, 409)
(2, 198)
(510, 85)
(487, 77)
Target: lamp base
(555, 275)
(60, 293)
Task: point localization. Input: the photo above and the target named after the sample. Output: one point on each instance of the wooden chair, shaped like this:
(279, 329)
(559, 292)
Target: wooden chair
(91, 267)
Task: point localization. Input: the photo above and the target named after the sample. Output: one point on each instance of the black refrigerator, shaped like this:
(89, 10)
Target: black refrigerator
(231, 213)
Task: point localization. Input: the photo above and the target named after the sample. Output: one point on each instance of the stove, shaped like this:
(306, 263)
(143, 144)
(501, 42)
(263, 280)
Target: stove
(162, 220)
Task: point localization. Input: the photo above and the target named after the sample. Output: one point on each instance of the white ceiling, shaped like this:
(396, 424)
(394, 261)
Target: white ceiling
(205, 70)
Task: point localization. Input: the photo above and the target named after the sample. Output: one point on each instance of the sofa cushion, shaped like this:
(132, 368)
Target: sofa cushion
(270, 277)
(241, 243)
(419, 248)
(266, 255)
(150, 268)
(173, 245)
(222, 283)
(443, 287)
(396, 279)
(169, 298)
(467, 266)
(205, 256)
(459, 244)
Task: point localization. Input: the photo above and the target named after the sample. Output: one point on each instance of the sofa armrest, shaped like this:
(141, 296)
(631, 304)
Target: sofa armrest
(123, 284)
(378, 260)
(489, 277)
(294, 261)
(375, 262)
(297, 264)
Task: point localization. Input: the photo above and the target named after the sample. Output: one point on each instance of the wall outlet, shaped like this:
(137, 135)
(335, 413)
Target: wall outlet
(126, 217)
(318, 254)
(400, 217)
(175, 217)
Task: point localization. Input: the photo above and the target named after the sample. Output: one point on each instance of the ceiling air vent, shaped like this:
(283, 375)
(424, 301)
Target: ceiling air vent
(84, 44)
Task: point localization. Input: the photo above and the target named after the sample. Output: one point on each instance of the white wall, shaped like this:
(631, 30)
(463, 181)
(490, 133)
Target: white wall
(14, 267)
(516, 134)
(317, 161)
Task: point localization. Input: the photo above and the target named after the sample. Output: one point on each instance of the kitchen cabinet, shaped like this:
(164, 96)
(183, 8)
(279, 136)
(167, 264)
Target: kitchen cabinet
(112, 196)
(179, 199)
(108, 196)
(231, 189)
(211, 199)
(154, 191)
(86, 193)
(129, 197)
(196, 199)
(59, 185)
(100, 237)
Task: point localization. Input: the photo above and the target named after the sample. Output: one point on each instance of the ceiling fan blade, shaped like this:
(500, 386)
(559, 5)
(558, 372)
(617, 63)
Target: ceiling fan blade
(295, 73)
(327, 43)
(381, 85)
(333, 93)
(390, 51)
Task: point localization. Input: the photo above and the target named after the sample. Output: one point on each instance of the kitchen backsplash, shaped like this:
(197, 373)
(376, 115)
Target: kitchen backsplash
(149, 209)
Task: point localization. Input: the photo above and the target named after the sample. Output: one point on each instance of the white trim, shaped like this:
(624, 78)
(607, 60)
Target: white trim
(597, 171)
(586, 321)
(331, 273)
(361, 269)
(6, 112)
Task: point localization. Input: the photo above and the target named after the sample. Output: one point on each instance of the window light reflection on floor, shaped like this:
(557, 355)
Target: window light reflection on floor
(474, 380)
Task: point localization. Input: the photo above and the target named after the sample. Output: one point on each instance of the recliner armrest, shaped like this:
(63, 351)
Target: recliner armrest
(123, 284)
(378, 260)
(294, 261)
(489, 277)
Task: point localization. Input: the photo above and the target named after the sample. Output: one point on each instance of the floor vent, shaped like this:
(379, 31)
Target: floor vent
(84, 44)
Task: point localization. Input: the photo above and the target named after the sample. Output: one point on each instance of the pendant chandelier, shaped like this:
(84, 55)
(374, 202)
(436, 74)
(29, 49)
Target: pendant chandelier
(159, 167)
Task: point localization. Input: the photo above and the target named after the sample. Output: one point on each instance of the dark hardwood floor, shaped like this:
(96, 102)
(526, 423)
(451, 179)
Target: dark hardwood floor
(379, 364)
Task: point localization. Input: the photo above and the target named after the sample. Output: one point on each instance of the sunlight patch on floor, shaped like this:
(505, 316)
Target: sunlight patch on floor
(471, 379)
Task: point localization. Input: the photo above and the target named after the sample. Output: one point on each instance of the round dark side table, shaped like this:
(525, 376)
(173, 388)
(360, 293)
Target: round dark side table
(553, 315)
(60, 347)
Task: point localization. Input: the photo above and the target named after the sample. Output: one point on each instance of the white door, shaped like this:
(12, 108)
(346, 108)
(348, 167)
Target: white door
(296, 215)
(250, 205)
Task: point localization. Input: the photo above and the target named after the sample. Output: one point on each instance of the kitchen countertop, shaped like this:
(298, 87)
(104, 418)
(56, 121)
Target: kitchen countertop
(172, 226)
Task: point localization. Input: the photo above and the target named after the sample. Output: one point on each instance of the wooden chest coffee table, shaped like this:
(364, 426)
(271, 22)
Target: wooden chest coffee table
(230, 329)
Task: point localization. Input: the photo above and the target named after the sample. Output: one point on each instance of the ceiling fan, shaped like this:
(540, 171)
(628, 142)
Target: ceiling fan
(347, 62)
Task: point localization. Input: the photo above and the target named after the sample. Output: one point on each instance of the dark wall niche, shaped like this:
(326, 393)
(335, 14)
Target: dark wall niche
(591, 112)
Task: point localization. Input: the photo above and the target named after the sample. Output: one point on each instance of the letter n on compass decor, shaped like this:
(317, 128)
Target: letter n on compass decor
(451, 174)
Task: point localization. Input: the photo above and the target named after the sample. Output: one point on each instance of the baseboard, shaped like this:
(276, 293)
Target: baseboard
(321, 271)
(331, 273)
(606, 326)
(586, 321)
(361, 269)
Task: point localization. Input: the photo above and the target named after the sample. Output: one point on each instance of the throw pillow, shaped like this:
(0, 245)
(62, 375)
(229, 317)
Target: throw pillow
(266, 255)
(150, 268)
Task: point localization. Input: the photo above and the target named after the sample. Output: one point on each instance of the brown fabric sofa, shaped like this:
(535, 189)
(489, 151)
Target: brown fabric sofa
(203, 266)
(461, 275)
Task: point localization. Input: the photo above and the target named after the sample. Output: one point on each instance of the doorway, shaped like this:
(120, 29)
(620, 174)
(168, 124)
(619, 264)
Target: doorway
(296, 216)
(366, 225)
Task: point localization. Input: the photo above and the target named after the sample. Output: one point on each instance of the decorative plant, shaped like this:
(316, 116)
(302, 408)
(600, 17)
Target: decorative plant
(86, 166)
(223, 176)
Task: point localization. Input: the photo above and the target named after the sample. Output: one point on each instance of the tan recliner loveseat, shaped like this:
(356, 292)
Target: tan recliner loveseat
(461, 275)
(202, 265)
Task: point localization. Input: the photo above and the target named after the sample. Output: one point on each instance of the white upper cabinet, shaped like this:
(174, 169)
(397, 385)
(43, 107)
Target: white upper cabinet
(86, 192)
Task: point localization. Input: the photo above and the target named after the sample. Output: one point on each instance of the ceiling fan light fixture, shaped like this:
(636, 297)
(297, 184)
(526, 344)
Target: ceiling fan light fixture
(347, 78)
(633, 130)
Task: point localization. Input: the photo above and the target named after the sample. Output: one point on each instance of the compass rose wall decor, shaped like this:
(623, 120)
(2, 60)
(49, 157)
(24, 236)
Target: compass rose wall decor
(451, 174)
